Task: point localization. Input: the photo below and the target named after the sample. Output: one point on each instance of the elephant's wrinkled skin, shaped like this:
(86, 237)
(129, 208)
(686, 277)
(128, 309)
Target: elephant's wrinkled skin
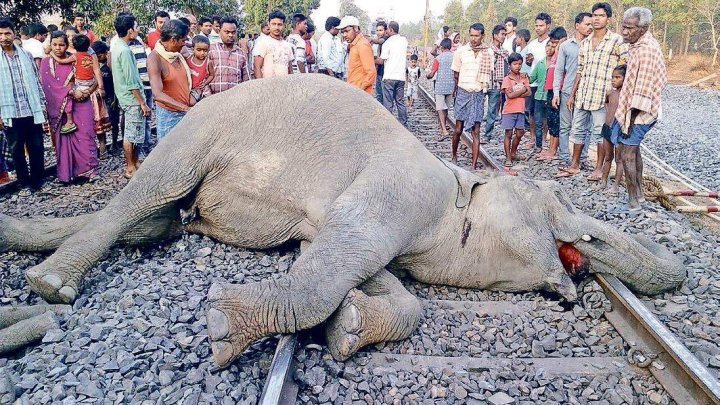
(259, 165)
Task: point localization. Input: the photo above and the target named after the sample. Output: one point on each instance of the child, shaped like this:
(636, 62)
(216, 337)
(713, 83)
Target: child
(515, 86)
(539, 75)
(87, 75)
(413, 75)
(201, 69)
(611, 130)
(544, 73)
(101, 51)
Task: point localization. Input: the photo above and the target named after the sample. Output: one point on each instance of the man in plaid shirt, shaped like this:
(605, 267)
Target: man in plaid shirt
(599, 54)
(499, 71)
(229, 60)
(640, 105)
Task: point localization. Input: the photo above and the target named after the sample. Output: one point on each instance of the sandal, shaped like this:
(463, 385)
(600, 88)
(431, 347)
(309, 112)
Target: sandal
(67, 130)
(507, 163)
(593, 177)
(566, 173)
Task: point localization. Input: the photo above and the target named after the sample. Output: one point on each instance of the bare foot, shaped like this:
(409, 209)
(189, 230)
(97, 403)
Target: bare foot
(600, 186)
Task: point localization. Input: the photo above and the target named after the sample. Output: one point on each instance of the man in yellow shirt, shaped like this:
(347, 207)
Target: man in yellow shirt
(361, 63)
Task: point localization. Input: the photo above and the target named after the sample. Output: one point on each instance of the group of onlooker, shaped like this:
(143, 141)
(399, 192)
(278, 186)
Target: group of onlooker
(597, 87)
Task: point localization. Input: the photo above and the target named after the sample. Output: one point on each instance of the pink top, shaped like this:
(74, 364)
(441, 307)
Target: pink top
(197, 72)
(550, 75)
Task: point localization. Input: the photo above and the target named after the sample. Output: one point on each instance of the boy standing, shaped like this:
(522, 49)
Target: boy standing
(444, 83)
(516, 87)
(101, 51)
(612, 127)
(413, 76)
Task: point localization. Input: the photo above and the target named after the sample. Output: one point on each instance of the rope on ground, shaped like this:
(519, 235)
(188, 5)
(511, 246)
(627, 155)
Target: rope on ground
(653, 190)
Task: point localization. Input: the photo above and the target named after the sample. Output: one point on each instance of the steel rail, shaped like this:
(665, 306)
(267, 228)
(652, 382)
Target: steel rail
(680, 372)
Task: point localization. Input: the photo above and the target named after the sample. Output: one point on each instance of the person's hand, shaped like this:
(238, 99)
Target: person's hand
(2, 125)
(145, 109)
(101, 92)
(555, 102)
(571, 103)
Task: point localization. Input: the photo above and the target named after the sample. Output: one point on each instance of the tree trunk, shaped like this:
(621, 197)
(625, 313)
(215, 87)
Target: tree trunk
(665, 34)
(686, 41)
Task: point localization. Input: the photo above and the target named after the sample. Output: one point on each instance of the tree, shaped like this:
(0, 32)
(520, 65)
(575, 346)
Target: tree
(455, 16)
(348, 7)
(709, 10)
(256, 11)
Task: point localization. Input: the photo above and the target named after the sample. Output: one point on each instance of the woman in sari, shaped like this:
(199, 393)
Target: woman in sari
(76, 152)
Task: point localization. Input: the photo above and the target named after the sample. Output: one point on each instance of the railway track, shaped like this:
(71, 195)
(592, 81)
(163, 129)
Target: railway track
(648, 350)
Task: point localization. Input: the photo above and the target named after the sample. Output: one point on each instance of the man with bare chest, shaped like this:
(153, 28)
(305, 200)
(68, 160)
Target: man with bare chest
(170, 77)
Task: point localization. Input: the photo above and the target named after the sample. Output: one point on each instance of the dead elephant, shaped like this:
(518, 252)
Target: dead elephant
(365, 194)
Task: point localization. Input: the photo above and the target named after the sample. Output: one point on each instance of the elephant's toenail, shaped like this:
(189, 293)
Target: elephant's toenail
(353, 317)
(218, 324)
(67, 293)
(222, 353)
(53, 281)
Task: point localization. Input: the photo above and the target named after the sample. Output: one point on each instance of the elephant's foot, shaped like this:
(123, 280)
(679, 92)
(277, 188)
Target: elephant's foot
(362, 320)
(229, 323)
(56, 285)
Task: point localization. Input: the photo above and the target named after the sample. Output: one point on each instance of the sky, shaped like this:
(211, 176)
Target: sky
(402, 11)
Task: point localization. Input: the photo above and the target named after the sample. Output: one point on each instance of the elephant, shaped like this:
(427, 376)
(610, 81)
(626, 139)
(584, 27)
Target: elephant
(257, 166)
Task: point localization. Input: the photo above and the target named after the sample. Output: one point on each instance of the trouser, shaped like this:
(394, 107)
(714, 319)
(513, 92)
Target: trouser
(565, 128)
(24, 133)
(552, 115)
(529, 107)
(394, 95)
(587, 126)
(539, 118)
(147, 146)
(492, 116)
(166, 121)
(379, 89)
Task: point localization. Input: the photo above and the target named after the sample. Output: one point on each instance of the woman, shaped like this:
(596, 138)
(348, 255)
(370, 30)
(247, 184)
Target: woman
(76, 152)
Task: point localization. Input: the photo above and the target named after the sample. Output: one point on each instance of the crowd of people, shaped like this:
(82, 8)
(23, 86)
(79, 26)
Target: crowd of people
(587, 86)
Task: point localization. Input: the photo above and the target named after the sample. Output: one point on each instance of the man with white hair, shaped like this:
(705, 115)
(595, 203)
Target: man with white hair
(640, 105)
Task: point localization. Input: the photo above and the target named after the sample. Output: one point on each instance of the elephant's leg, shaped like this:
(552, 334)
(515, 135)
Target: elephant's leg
(149, 194)
(342, 256)
(378, 310)
(47, 234)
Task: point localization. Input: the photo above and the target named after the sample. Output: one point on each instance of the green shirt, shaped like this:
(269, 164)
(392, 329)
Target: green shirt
(538, 76)
(126, 77)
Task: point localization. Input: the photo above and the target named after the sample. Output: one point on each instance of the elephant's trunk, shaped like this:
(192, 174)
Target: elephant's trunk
(646, 267)
(38, 234)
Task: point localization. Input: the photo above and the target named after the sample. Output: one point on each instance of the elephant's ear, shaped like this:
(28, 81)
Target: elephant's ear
(466, 181)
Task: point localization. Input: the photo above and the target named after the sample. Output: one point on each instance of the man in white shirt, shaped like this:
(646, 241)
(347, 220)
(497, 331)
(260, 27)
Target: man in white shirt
(299, 28)
(510, 27)
(329, 49)
(34, 44)
(536, 47)
(394, 59)
(272, 55)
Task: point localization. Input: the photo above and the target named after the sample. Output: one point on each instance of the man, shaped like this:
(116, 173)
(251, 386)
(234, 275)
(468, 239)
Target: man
(299, 28)
(444, 83)
(565, 69)
(510, 27)
(472, 65)
(205, 26)
(310, 48)
(536, 48)
(79, 24)
(330, 50)
(129, 91)
(228, 59)
(394, 59)
(23, 113)
(193, 26)
(378, 41)
(273, 56)
(498, 74)
(599, 54)
(161, 17)
(214, 35)
(640, 103)
(34, 44)
(170, 77)
(265, 28)
(445, 34)
(361, 64)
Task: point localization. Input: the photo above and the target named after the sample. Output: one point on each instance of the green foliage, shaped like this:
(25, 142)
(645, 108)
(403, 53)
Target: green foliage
(256, 11)
(454, 16)
(348, 7)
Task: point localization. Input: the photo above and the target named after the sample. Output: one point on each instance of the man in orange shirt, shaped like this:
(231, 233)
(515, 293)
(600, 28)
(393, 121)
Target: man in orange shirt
(361, 63)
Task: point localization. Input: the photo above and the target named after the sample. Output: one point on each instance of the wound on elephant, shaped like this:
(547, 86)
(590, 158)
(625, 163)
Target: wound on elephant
(467, 226)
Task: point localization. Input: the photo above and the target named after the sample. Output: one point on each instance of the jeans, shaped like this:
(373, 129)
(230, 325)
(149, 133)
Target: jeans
(539, 118)
(565, 128)
(379, 89)
(587, 126)
(394, 95)
(147, 147)
(166, 121)
(492, 116)
(24, 133)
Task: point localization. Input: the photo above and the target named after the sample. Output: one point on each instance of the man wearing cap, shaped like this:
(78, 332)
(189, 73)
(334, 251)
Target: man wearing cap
(360, 64)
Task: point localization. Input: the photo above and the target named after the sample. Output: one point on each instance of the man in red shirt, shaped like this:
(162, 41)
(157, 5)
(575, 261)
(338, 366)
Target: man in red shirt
(161, 17)
(79, 24)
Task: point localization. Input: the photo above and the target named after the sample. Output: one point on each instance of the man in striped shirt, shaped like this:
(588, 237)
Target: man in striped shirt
(229, 60)
(599, 54)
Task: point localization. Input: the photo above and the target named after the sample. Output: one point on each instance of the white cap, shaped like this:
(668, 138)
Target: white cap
(348, 21)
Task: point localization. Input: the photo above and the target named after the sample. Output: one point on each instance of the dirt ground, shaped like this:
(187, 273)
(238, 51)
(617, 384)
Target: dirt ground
(693, 67)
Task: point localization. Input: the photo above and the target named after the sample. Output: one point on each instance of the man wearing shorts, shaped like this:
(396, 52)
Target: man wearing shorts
(444, 83)
(129, 92)
(639, 104)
